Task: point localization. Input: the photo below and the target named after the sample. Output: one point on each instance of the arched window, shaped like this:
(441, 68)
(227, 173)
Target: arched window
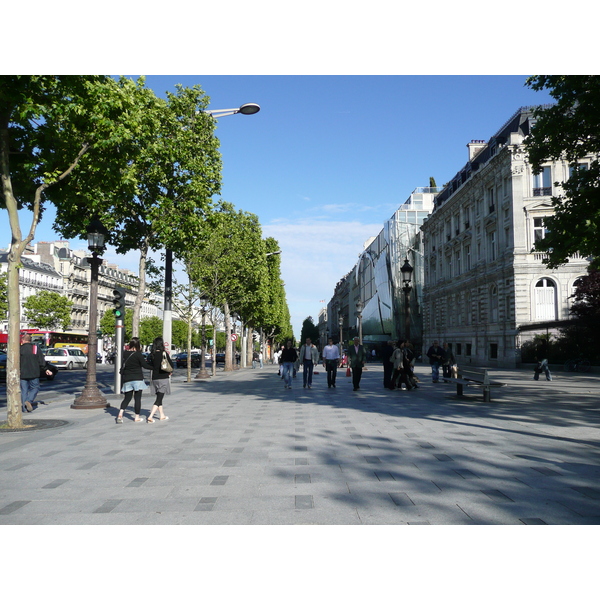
(545, 300)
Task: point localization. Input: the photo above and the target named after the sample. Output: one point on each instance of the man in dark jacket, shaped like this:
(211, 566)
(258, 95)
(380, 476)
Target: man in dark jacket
(357, 357)
(32, 362)
(436, 356)
(388, 367)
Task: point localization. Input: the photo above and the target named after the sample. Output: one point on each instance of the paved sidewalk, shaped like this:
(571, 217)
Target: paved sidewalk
(239, 449)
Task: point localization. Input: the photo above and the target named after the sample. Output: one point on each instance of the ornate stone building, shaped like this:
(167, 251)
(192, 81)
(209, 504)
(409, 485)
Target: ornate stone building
(486, 290)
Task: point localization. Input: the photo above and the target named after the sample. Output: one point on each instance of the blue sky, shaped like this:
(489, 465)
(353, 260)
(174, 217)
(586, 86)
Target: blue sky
(329, 158)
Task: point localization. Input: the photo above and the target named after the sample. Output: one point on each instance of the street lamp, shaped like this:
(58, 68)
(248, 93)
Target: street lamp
(91, 397)
(359, 309)
(341, 324)
(407, 271)
(250, 108)
(203, 373)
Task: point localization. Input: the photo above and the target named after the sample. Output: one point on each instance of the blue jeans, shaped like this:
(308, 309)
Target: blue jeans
(287, 369)
(29, 390)
(435, 371)
(307, 372)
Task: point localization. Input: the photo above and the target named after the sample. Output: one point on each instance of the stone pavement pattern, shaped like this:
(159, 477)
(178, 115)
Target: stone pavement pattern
(239, 449)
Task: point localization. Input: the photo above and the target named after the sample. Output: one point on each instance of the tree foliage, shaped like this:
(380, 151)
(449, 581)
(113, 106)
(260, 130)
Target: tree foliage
(569, 129)
(51, 126)
(48, 310)
(166, 189)
(309, 330)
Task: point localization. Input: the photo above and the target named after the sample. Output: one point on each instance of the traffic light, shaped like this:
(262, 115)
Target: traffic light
(119, 303)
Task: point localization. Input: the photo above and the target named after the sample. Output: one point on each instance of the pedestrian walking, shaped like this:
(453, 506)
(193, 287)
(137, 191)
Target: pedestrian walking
(448, 362)
(33, 362)
(436, 359)
(309, 357)
(388, 367)
(161, 379)
(288, 358)
(260, 359)
(331, 362)
(132, 379)
(542, 367)
(357, 357)
(254, 359)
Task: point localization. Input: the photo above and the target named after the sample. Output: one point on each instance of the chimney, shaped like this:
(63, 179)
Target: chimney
(475, 147)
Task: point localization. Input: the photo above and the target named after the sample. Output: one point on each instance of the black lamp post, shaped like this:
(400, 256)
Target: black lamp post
(341, 324)
(91, 397)
(407, 271)
(359, 309)
(203, 373)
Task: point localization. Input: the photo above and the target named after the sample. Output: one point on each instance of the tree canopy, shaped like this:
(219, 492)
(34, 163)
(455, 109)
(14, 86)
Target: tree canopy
(50, 126)
(570, 129)
(48, 310)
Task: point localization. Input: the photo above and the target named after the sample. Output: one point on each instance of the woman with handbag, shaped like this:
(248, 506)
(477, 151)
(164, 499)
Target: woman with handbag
(162, 368)
(132, 378)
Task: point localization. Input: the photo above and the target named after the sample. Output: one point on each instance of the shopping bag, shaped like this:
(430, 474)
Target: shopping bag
(348, 372)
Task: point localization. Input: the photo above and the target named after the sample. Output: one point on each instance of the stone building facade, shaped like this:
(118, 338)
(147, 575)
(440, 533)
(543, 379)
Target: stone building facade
(486, 291)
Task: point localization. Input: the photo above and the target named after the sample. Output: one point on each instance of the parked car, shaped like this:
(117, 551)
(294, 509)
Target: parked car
(182, 358)
(98, 357)
(66, 358)
(220, 357)
(43, 370)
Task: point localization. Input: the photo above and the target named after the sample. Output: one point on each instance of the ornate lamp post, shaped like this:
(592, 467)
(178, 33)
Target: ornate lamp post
(91, 397)
(341, 324)
(203, 373)
(407, 271)
(359, 309)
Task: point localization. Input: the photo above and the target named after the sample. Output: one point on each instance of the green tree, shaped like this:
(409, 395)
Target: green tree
(48, 310)
(180, 333)
(229, 266)
(51, 126)
(166, 191)
(107, 324)
(310, 330)
(569, 129)
(150, 329)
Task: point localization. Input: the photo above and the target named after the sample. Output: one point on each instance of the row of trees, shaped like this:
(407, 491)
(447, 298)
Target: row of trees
(96, 145)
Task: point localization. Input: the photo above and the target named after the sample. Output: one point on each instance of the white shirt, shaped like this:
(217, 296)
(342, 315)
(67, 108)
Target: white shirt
(331, 352)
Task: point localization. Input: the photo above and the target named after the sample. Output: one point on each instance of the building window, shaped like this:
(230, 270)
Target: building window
(457, 270)
(468, 258)
(539, 229)
(491, 205)
(468, 350)
(458, 349)
(493, 351)
(545, 300)
(491, 245)
(542, 182)
(494, 304)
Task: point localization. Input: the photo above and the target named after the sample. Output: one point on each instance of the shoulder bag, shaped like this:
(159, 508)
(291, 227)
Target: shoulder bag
(165, 365)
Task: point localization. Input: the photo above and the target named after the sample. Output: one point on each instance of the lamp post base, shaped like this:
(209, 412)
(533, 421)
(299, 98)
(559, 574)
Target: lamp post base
(91, 397)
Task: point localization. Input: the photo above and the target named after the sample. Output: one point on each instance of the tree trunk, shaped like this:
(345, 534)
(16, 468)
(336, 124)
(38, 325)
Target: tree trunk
(249, 346)
(137, 305)
(228, 358)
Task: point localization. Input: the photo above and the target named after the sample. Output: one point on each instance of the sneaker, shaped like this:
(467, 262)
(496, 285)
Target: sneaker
(119, 419)
(28, 406)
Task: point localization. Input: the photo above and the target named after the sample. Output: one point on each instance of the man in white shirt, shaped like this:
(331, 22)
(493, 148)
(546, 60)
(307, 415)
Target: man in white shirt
(331, 361)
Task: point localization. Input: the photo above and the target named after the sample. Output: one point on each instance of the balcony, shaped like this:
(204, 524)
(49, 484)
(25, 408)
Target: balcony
(542, 191)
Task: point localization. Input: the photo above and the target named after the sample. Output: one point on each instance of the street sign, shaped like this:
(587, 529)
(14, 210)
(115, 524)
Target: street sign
(234, 337)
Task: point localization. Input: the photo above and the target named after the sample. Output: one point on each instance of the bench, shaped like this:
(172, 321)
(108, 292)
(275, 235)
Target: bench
(473, 376)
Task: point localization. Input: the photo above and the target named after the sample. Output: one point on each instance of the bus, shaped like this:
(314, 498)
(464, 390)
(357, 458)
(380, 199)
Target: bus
(54, 339)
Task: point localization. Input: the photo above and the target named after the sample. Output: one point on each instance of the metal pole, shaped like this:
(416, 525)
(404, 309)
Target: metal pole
(91, 396)
(119, 335)
(167, 311)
